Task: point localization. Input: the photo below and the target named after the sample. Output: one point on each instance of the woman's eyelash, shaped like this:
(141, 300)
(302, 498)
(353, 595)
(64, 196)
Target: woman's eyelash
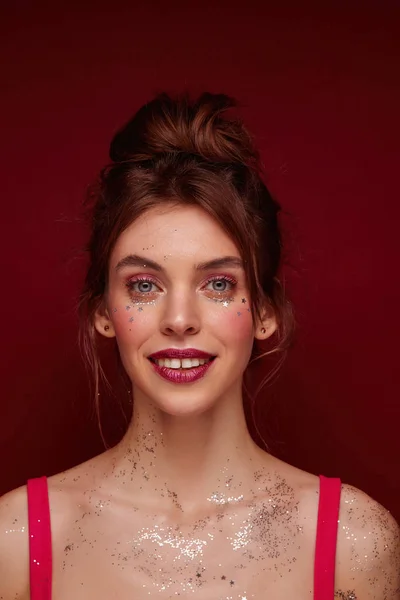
(232, 282)
(217, 278)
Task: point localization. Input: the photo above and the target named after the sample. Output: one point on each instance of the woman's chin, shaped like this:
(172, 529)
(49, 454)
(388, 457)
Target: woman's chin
(185, 407)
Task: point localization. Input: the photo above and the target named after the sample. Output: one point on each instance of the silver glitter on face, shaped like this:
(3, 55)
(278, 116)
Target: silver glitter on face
(141, 303)
(221, 298)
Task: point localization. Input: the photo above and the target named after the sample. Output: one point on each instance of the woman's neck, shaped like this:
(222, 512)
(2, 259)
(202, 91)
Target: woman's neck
(189, 461)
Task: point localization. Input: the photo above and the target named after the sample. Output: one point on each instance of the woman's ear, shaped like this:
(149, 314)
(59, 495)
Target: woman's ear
(266, 326)
(103, 323)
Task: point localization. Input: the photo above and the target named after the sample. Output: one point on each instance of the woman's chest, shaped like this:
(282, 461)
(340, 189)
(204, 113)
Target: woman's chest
(238, 554)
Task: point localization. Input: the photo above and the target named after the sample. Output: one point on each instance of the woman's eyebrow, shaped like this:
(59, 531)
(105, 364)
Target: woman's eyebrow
(218, 263)
(135, 260)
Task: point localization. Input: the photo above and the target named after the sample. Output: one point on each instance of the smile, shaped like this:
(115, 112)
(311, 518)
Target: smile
(181, 365)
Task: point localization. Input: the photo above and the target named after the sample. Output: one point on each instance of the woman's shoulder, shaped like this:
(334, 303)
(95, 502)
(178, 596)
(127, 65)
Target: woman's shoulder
(368, 540)
(14, 546)
(368, 549)
(67, 493)
(14, 536)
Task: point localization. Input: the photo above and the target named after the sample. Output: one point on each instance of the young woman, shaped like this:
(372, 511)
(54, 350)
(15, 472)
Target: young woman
(183, 275)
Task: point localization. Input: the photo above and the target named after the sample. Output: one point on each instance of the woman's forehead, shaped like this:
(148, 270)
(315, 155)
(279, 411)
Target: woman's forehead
(177, 230)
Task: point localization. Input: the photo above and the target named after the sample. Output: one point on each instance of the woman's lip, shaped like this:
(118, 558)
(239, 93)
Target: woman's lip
(180, 353)
(182, 375)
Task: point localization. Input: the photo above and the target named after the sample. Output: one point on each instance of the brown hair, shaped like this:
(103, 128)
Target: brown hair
(191, 152)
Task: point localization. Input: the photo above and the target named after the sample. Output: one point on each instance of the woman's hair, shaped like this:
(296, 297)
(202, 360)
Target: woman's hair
(189, 152)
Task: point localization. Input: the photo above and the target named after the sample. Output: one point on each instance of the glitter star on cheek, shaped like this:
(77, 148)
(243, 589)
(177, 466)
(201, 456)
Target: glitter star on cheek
(131, 320)
(140, 309)
(239, 313)
(127, 308)
(243, 300)
(226, 304)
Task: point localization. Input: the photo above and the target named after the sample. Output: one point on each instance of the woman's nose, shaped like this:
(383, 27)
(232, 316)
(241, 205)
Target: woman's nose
(181, 316)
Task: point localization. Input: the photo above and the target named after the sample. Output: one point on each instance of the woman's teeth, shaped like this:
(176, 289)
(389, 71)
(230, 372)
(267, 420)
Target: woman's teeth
(184, 363)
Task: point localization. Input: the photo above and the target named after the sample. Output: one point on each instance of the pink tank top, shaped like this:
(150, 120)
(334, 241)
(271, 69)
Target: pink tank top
(40, 550)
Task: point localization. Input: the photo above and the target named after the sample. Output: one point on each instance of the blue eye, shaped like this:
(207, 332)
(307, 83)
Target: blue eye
(220, 284)
(142, 286)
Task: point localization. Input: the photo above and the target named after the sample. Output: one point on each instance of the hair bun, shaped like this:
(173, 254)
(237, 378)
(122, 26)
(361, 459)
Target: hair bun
(181, 125)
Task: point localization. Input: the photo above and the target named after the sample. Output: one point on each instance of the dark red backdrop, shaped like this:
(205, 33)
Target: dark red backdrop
(320, 89)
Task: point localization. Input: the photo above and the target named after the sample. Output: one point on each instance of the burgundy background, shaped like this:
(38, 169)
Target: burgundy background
(320, 89)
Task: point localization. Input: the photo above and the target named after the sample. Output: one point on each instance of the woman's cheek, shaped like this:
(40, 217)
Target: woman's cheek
(129, 320)
(233, 322)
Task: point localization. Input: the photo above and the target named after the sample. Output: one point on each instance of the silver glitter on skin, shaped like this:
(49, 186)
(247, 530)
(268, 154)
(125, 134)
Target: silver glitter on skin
(224, 301)
(141, 303)
(173, 538)
(17, 530)
(220, 498)
(169, 555)
(345, 595)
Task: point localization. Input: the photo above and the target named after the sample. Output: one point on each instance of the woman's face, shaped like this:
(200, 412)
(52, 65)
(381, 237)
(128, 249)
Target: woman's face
(176, 284)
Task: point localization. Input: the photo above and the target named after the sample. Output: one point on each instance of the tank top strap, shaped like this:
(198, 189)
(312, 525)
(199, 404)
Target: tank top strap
(40, 550)
(326, 540)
